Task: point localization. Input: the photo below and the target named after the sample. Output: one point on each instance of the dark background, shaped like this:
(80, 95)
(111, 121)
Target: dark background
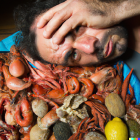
(7, 26)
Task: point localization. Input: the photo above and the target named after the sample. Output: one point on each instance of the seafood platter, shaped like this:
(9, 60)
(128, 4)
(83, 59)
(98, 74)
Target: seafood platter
(49, 102)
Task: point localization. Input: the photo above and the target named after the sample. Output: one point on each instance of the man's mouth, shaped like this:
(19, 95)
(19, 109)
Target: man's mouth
(108, 48)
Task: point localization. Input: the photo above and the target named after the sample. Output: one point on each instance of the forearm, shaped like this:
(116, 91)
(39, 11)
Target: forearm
(127, 9)
(114, 11)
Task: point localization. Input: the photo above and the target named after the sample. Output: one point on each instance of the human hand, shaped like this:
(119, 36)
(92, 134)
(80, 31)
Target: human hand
(68, 15)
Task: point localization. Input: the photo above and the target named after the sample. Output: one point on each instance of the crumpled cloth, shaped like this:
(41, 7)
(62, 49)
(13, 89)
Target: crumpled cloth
(6, 44)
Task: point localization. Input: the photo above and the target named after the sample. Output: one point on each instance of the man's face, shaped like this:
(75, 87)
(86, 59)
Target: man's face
(83, 46)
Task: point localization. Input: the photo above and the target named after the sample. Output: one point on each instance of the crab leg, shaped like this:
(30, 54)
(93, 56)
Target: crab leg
(125, 85)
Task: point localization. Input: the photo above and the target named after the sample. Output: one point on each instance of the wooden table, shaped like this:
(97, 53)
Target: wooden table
(7, 26)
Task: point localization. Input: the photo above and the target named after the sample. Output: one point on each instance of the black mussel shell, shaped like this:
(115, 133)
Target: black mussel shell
(62, 131)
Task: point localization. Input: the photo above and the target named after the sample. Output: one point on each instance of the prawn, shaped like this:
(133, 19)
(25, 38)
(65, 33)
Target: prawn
(26, 111)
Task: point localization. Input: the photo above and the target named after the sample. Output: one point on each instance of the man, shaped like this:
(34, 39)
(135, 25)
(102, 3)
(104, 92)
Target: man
(82, 46)
(96, 14)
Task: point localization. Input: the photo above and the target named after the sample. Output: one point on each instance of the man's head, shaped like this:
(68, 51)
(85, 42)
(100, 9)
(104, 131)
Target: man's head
(82, 46)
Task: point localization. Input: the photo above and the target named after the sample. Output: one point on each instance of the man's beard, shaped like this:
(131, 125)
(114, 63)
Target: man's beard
(100, 54)
(99, 49)
(100, 46)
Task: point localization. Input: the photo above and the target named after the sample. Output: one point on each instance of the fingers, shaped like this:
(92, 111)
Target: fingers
(67, 26)
(55, 22)
(47, 16)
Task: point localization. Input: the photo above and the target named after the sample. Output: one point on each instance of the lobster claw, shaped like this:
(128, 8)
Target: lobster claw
(17, 66)
(103, 75)
(56, 95)
(14, 83)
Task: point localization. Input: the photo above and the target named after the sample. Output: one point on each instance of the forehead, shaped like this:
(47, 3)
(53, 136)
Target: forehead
(119, 30)
(87, 30)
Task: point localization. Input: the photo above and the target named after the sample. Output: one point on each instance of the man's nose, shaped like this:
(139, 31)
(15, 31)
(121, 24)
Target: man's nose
(86, 44)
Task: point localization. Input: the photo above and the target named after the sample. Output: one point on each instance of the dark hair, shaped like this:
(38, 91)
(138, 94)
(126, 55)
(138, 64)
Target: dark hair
(24, 16)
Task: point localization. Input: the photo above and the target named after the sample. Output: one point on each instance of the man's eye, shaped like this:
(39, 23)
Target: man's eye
(76, 56)
(77, 28)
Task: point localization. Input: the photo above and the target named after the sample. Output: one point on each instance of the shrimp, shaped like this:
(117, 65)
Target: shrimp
(49, 119)
(88, 87)
(103, 75)
(26, 111)
(73, 85)
(5, 99)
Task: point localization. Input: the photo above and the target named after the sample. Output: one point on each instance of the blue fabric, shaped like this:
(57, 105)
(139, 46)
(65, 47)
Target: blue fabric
(135, 83)
(6, 44)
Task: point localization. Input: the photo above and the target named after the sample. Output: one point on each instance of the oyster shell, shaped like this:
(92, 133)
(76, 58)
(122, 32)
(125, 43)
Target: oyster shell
(73, 109)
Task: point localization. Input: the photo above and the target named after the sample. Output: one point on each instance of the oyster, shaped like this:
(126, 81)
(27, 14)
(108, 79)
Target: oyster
(73, 111)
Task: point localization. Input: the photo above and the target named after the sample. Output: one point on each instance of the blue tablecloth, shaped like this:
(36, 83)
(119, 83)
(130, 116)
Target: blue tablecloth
(6, 44)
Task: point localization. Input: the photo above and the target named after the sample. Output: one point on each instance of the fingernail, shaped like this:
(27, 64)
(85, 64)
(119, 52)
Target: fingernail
(44, 34)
